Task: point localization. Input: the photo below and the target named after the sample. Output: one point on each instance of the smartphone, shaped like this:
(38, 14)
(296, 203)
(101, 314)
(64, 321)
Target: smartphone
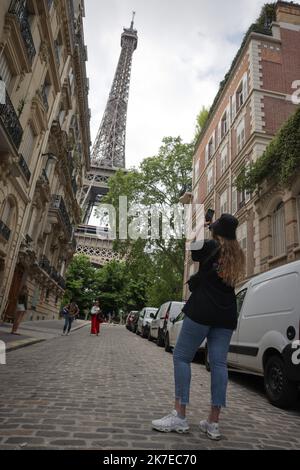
(209, 215)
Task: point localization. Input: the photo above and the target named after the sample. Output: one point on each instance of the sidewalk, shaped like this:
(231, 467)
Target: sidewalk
(32, 332)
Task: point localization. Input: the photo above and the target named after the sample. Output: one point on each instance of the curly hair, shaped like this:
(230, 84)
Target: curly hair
(231, 261)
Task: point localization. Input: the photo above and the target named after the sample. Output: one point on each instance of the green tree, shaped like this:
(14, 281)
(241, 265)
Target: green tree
(201, 121)
(160, 180)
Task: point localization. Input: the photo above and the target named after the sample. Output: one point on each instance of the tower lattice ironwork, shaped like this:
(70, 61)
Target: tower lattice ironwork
(109, 146)
(108, 151)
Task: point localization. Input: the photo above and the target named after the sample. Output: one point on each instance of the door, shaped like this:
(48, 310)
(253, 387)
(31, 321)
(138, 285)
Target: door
(232, 358)
(14, 293)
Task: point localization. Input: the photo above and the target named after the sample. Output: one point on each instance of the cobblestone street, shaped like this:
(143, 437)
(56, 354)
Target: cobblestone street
(84, 392)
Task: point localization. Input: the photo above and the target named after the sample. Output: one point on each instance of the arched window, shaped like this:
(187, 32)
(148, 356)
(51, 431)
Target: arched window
(278, 231)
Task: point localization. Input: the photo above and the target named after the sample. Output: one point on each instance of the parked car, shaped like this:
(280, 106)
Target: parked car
(134, 322)
(130, 318)
(173, 330)
(145, 318)
(266, 341)
(159, 326)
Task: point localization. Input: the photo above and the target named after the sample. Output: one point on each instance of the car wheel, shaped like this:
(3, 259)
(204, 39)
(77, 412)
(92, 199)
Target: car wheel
(167, 344)
(144, 333)
(137, 332)
(149, 335)
(206, 360)
(280, 391)
(160, 341)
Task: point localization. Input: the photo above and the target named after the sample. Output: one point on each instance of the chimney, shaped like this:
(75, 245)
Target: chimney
(288, 12)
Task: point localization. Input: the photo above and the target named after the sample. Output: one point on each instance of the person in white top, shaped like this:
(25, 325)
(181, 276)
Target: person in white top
(96, 318)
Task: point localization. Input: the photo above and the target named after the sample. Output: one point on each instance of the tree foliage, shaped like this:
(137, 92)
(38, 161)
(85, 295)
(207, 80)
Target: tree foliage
(280, 161)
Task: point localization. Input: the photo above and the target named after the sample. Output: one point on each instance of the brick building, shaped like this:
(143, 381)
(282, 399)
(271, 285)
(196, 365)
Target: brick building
(44, 148)
(252, 103)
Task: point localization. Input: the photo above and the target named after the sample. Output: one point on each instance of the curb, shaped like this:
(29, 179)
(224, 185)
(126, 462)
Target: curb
(13, 346)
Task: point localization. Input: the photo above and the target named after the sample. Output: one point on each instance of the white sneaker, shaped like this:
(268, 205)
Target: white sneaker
(171, 423)
(211, 430)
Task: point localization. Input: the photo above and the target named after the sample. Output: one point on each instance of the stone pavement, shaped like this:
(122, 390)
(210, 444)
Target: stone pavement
(87, 392)
(31, 332)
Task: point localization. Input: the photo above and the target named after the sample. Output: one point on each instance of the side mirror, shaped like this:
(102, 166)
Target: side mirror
(152, 315)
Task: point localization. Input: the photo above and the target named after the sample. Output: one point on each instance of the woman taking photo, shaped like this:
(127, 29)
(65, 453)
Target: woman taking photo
(210, 313)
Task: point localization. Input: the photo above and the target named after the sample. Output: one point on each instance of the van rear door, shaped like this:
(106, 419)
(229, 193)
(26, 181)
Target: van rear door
(232, 355)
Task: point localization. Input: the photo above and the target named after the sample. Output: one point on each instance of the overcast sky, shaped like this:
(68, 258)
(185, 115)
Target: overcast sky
(185, 48)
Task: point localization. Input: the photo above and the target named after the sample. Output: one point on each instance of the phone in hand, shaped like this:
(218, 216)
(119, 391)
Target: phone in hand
(209, 215)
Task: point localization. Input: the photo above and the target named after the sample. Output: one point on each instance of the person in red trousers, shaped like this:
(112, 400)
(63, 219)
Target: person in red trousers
(96, 318)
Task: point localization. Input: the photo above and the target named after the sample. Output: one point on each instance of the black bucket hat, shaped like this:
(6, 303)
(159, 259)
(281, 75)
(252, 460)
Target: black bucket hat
(225, 226)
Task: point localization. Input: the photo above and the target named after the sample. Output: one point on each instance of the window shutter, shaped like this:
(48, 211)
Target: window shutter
(219, 132)
(233, 107)
(245, 87)
(206, 154)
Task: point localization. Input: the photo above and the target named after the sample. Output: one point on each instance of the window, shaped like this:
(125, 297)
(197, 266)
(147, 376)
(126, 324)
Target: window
(224, 160)
(5, 72)
(224, 202)
(240, 135)
(241, 235)
(278, 231)
(239, 97)
(28, 144)
(8, 212)
(211, 148)
(224, 125)
(210, 179)
(240, 297)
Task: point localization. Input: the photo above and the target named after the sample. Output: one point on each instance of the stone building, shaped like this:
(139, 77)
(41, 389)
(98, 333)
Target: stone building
(44, 148)
(253, 102)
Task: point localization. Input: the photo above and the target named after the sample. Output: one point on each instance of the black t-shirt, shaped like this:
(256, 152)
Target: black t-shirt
(212, 302)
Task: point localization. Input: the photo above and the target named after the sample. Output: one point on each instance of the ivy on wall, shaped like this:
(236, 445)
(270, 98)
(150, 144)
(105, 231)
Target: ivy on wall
(279, 163)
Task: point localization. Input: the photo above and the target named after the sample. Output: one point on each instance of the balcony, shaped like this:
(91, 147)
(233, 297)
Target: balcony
(58, 206)
(18, 9)
(44, 264)
(24, 167)
(4, 231)
(10, 121)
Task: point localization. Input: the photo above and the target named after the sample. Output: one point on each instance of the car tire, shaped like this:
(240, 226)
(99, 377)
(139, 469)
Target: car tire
(137, 332)
(206, 360)
(144, 333)
(167, 343)
(160, 340)
(149, 336)
(281, 392)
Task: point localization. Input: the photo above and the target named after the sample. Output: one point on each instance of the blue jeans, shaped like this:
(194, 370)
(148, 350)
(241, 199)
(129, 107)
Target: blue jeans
(68, 323)
(190, 338)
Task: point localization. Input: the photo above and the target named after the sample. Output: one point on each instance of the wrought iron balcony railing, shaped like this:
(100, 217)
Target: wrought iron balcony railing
(18, 8)
(44, 264)
(4, 231)
(10, 121)
(24, 167)
(59, 205)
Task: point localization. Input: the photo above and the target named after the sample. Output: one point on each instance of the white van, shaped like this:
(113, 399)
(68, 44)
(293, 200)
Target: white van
(159, 325)
(266, 341)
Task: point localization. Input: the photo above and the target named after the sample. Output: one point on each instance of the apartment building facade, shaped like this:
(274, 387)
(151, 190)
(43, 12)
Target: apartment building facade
(252, 104)
(44, 148)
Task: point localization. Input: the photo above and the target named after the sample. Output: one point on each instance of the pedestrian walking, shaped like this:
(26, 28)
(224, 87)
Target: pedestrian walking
(21, 309)
(211, 313)
(96, 318)
(70, 312)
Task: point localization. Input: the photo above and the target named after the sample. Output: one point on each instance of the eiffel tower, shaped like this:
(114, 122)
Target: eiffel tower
(108, 154)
